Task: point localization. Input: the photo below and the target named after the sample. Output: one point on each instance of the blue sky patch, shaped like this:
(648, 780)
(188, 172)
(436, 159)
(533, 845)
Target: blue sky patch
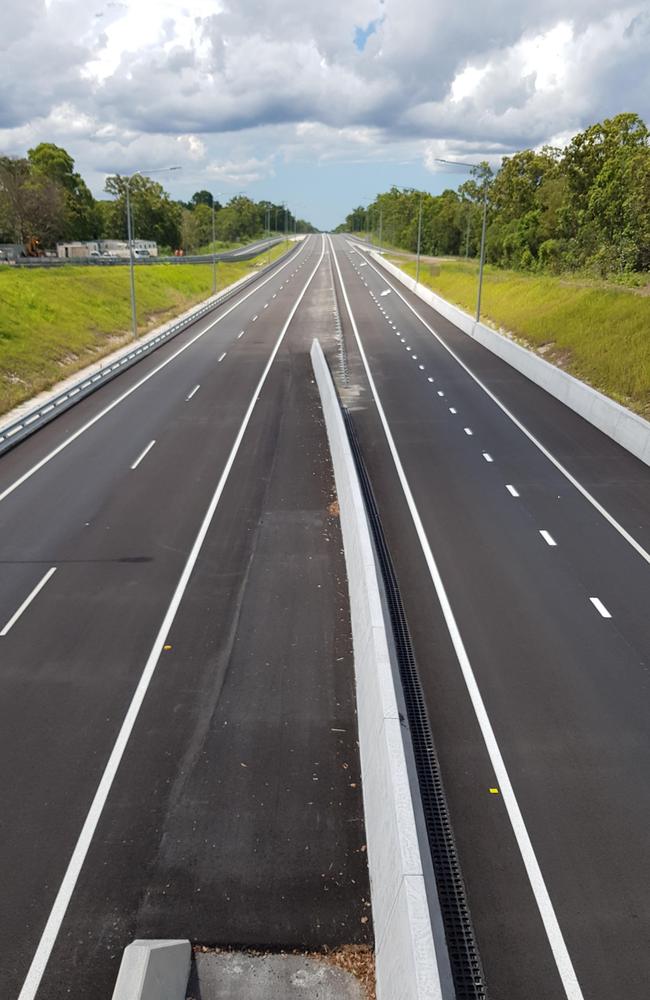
(361, 35)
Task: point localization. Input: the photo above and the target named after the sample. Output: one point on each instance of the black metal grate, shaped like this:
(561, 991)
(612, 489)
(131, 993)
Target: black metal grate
(463, 953)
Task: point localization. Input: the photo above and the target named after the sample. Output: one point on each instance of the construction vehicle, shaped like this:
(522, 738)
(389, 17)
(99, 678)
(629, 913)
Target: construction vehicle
(33, 248)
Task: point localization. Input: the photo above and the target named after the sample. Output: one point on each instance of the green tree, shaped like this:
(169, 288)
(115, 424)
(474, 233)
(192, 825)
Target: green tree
(81, 220)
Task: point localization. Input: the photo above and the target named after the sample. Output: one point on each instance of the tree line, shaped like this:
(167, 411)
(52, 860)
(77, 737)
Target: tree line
(43, 197)
(582, 208)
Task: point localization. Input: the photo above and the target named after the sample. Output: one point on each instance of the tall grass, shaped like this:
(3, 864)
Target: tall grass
(599, 334)
(54, 322)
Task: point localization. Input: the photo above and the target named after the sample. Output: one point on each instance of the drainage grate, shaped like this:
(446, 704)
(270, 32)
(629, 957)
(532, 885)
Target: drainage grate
(463, 952)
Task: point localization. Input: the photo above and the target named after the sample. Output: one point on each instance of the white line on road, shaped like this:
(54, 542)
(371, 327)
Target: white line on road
(487, 457)
(254, 319)
(193, 393)
(440, 392)
(468, 431)
(140, 457)
(240, 334)
(548, 538)
(511, 490)
(452, 409)
(600, 607)
(116, 402)
(28, 600)
(221, 357)
(553, 931)
(66, 889)
(522, 427)
(429, 379)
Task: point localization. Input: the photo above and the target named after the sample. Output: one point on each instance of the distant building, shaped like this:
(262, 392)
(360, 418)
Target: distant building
(106, 248)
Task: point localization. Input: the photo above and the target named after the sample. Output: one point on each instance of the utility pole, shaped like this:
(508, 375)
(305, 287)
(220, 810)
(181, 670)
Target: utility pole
(417, 266)
(129, 236)
(476, 166)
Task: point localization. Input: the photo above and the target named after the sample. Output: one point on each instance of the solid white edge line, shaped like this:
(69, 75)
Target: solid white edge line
(522, 427)
(548, 538)
(553, 932)
(28, 600)
(145, 452)
(600, 607)
(98, 416)
(58, 911)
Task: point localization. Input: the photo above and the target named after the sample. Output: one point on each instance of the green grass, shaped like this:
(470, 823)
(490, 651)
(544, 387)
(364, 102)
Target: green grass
(55, 322)
(598, 333)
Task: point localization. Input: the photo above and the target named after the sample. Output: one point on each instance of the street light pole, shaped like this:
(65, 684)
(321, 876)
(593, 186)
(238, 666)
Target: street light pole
(481, 265)
(476, 166)
(417, 266)
(214, 247)
(129, 235)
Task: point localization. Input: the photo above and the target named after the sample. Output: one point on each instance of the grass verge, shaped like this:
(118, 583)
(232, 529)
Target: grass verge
(599, 334)
(55, 322)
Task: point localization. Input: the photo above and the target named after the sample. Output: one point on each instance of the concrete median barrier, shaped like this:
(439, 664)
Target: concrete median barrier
(409, 957)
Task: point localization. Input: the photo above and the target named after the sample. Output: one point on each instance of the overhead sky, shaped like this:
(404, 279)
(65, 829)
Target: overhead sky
(319, 102)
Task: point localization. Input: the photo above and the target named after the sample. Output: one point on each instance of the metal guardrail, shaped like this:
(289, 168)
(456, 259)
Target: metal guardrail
(17, 431)
(236, 254)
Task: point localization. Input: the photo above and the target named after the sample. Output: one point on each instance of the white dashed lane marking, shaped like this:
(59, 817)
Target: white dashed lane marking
(600, 607)
(548, 538)
(142, 455)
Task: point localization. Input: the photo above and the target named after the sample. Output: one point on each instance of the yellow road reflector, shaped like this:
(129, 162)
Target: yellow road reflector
(494, 791)
(167, 646)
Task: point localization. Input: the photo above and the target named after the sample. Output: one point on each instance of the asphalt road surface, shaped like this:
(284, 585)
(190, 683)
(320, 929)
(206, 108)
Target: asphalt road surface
(520, 536)
(177, 725)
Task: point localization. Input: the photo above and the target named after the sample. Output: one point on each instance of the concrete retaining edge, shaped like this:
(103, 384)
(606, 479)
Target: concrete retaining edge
(628, 429)
(154, 970)
(405, 946)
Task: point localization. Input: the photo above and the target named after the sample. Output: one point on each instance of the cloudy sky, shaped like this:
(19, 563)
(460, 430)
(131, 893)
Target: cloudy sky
(319, 102)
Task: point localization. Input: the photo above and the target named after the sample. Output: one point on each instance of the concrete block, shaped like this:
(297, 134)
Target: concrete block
(154, 970)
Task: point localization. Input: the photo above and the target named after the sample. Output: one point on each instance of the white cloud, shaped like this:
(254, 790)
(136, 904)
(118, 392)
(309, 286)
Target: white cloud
(234, 87)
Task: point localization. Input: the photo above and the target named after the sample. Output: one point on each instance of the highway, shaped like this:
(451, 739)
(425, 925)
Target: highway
(520, 537)
(177, 726)
(178, 744)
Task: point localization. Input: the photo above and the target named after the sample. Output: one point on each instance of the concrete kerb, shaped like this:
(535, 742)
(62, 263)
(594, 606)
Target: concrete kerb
(628, 429)
(405, 947)
(154, 970)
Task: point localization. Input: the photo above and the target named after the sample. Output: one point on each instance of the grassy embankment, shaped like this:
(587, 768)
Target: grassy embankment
(55, 322)
(598, 332)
